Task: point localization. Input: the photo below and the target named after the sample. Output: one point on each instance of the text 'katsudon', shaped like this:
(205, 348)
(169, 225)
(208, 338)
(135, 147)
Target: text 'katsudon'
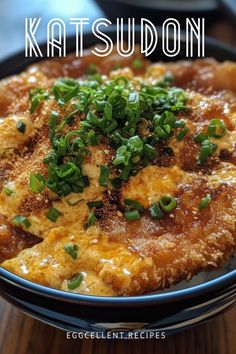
(117, 176)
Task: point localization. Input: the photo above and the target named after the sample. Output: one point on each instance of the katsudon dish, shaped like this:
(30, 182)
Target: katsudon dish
(117, 175)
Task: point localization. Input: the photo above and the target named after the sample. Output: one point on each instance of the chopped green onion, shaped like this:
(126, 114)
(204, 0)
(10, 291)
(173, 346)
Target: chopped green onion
(104, 174)
(68, 170)
(136, 159)
(21, 126)
(37, 182)
(156, 212)
(110, 127)
(91, 220)
(132, 215)
(163, 132)
(65, 188)
(135, 145)
(37, 95)
(180, 124)
(71, 250)
(100, 105)
(168, 118)
(53, 119)
(206, 150)
(75, 282)
(20, 220)
(182, 134)
(108, 111)
(111, 111)
(163, 124)
(53, 214)
(204, 202)
(216, 128)
(134, 204)
(116, 182)
(122, 156)
(149, 151)
(200, 137)
(93, 139)
(204, 154)
(65, 89)
(168, 203)
(95, 204)
(8, 191)
(125, 172)
(85, 181)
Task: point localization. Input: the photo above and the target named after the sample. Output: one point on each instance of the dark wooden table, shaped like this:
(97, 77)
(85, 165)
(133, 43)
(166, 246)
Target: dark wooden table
(20, 334)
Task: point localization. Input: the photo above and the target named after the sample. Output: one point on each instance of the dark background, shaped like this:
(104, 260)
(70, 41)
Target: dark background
(13, 12)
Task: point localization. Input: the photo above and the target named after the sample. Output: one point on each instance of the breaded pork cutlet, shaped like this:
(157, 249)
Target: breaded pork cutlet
(117, 176)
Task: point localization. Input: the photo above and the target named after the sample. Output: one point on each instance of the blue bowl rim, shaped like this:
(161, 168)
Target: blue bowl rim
(221, 282)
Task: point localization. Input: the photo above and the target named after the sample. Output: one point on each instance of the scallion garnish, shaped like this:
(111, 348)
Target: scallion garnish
(104, 175)
(20, 220)
(116, 182)
(206, 150)
(37, 95)
(108, 111)
(200, 137)
(134, 204)
(75, 281)
(111, 110)
(168, 203)
(180, 124)
(72, 250)
(65, 89)
(8, 191)
(53, 214)
(132, 215)
(150, 152)
(95, 204)
(204, 202)
(91, 220)
(21, 126)
(216, 128)
(53, 119)
(37, 182)
(122, 156)
(163, 124)
(182, 134)
(93, 139)
(155, 211)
